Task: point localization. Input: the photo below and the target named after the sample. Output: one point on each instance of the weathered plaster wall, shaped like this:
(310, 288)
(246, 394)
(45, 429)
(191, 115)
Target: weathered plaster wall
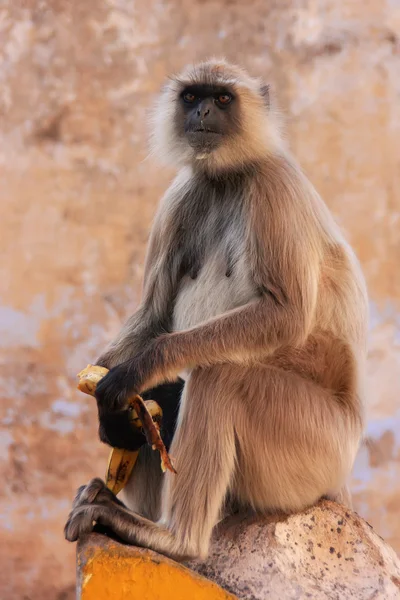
(77, 196)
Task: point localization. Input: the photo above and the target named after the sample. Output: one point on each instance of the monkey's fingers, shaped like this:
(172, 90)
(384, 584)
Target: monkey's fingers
(90, 377)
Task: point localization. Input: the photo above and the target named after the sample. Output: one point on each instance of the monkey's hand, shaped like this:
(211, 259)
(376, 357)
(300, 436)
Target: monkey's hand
(114, 391)
(120, 429)
(132, 377)
(117, 430)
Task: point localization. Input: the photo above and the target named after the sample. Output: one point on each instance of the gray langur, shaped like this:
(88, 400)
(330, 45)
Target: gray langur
(254, 298)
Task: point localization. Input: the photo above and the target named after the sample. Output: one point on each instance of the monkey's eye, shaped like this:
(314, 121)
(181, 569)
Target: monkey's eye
(224, 99)
(189, 98)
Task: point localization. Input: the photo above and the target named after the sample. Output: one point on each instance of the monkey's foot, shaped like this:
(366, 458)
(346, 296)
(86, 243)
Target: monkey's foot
(95, 508)
(95, 492)
(83, 519)
(116, 519)
(93, 504)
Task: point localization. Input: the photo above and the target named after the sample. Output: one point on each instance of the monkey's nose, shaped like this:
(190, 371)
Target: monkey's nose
(203, 113)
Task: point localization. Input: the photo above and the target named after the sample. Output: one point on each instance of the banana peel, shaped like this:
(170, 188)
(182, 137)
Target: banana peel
(119, 468)
(145, 415)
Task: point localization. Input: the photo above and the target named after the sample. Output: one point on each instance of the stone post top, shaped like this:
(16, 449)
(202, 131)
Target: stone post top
(325, 552)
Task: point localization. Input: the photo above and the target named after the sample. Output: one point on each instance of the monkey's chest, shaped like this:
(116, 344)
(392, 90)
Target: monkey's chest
(222, 282)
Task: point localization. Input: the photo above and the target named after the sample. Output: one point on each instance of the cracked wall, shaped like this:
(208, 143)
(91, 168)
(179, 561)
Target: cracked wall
(78, 193)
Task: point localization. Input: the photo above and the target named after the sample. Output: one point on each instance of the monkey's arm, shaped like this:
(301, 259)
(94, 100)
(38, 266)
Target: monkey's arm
(251, 331)
(134, 335)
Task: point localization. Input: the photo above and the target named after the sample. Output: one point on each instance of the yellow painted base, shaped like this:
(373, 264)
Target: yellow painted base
(107, 570)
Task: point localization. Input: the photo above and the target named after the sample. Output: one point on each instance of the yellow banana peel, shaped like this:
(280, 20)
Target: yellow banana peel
(119, 468)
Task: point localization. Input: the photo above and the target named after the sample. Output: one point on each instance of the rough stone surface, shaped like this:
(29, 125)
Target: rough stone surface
(326, 552)
(77, 197)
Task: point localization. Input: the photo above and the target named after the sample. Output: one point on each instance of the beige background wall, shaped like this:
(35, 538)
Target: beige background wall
(77, 197)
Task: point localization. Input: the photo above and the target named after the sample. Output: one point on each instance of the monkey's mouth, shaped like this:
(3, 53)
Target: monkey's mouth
(205, 130)
(204, 139)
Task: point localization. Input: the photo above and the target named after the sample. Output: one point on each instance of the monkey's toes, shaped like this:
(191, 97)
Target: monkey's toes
(92, 491)
(76, 500)
(81, 521)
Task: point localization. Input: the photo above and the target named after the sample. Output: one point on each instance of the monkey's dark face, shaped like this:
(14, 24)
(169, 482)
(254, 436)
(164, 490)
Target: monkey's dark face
(213, 117)
(206, 115)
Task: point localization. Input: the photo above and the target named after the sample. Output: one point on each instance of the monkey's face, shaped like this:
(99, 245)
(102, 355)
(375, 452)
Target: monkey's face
(214, 112)
(206, 114)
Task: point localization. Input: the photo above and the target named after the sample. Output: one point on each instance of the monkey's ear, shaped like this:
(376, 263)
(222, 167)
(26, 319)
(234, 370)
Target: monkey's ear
(264, 91)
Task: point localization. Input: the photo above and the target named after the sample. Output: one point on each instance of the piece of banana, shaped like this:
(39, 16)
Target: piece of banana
(90, 377)
(120, 462)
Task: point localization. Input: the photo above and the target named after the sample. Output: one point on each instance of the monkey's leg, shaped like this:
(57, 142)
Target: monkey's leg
(296, 440)
(142, 493)
(204, 455)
